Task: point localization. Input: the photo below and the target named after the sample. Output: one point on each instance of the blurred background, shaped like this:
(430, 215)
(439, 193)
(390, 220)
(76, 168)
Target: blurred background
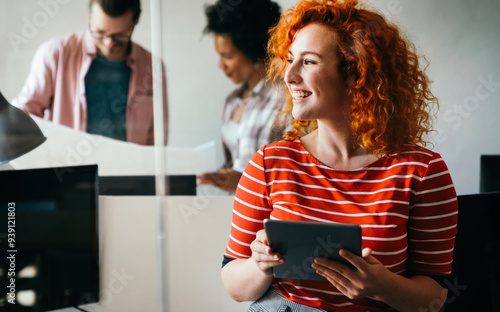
(459, 38)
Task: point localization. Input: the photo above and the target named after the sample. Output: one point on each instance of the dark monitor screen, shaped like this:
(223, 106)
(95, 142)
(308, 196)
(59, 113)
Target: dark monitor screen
(489, 178)
(48, 238)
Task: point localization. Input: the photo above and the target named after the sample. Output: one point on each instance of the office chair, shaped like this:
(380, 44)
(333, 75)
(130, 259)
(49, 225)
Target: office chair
(474, 284)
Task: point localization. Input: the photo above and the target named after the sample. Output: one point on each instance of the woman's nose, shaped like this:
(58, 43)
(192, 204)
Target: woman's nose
(222, 65)
(292, 74)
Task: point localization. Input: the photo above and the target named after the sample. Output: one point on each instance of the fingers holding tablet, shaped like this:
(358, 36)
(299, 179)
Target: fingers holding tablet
(366, 280)
(263, 255)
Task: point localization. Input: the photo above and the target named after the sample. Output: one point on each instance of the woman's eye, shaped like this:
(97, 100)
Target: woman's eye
(289, 61)
(226, 56)
(309, 62)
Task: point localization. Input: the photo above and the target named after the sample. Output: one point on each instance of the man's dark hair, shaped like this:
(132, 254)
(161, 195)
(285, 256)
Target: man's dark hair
(116, 8)
(246, 22)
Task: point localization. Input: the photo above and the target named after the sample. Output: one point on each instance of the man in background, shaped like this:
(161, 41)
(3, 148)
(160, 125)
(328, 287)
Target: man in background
(98, 81)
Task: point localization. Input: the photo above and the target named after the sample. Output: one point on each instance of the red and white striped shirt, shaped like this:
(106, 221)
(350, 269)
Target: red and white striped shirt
(405, 203)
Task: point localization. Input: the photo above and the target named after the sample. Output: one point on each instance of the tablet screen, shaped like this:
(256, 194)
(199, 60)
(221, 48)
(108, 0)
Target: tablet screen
(299, 242)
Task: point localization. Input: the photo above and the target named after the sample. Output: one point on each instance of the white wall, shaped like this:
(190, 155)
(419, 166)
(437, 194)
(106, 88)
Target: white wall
(460, 39)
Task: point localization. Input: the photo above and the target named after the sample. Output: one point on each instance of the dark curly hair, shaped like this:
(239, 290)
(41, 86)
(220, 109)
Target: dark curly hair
(392, 104)
(247, 23)
(116, 8)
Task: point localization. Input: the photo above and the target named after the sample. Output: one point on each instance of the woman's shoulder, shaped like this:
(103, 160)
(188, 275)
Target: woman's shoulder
(282, 154)
(283, 147)
(415, 153)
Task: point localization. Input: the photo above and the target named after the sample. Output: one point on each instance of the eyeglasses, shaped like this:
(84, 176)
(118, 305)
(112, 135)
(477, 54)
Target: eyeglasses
(101, 36)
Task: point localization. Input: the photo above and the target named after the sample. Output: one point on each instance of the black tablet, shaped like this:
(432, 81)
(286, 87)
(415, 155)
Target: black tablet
(299, 242)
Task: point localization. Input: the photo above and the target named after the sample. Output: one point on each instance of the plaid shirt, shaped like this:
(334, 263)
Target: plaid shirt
(256, 127)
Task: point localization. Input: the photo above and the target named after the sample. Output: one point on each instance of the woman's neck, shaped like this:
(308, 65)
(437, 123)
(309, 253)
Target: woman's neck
(253, 80)
(336, 148)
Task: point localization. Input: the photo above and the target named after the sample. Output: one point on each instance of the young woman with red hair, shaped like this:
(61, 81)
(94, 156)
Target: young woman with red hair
(361, 108)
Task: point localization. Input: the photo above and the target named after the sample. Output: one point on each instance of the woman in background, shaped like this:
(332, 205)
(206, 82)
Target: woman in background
(240, 31)
(357, 84)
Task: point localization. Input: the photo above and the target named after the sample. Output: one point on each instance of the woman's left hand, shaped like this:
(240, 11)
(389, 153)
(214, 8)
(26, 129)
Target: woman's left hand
(225, 179)
(368, 280)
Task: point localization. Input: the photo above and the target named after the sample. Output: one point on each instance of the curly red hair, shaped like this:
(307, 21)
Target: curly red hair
(391, 97)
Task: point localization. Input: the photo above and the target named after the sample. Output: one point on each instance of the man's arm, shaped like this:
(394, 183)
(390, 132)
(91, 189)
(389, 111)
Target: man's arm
(165, 105)
(37, 93)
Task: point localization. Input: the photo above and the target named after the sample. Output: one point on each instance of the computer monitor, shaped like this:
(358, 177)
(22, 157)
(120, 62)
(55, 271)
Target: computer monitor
(489, 177)
(49, 238)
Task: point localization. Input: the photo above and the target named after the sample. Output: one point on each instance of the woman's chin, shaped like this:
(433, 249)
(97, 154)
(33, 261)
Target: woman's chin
(235, 80)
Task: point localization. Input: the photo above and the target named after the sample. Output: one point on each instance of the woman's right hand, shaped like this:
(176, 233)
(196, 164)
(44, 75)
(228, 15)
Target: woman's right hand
(247, 279)
(263, 255)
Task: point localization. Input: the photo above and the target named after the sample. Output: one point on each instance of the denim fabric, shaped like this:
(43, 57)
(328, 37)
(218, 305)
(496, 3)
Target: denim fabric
(272, 301)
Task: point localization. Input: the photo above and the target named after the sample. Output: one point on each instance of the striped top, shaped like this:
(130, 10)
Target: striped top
(406, 205)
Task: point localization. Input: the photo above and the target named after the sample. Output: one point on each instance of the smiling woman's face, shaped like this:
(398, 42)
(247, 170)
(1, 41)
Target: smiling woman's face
(312, 76)
(235, 64)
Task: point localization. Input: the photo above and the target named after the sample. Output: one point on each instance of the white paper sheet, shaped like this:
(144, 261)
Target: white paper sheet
(68, 147)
